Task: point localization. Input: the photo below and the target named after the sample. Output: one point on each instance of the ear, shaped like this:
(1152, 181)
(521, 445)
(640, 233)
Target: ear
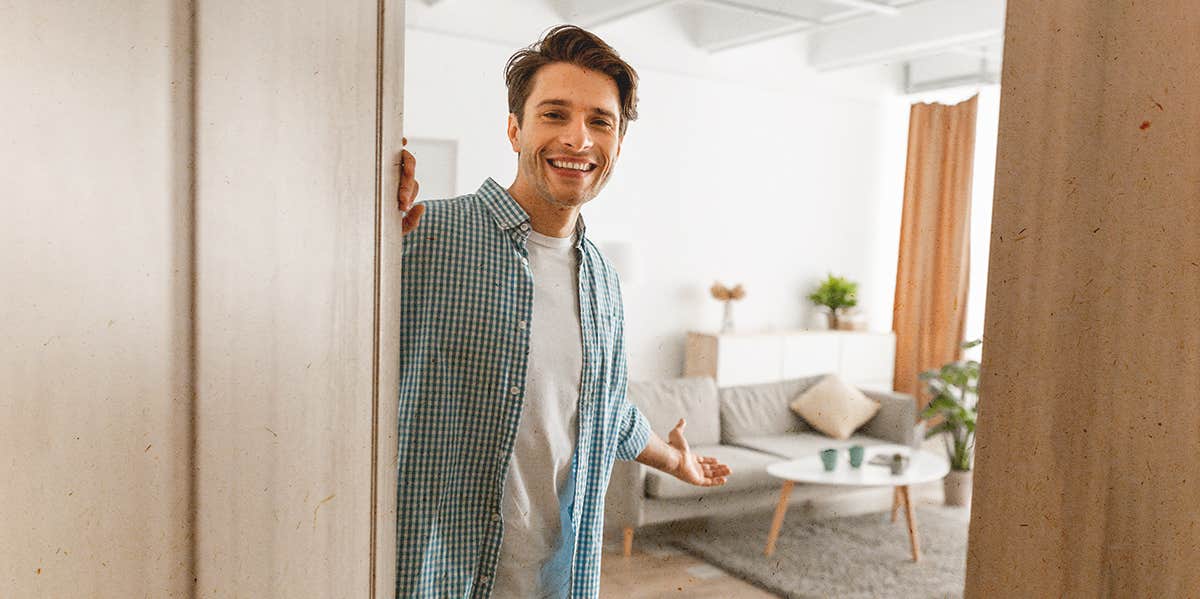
(514, 132)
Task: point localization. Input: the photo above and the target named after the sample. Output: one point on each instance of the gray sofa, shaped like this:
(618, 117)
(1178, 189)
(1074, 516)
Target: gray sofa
(748, 428)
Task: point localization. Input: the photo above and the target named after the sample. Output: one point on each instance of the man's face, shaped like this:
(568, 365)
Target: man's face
(569, 137)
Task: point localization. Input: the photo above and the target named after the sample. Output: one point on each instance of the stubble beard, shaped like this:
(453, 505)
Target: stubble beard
(539, 175)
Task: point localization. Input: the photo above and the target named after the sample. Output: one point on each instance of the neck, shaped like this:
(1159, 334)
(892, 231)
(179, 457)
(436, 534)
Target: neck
(544, 217)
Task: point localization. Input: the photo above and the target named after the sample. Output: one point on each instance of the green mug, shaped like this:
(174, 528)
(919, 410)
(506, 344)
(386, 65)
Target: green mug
(856, 456)
(829, 459)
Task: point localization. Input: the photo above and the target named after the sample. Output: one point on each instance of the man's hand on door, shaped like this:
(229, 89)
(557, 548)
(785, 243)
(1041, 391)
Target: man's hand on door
(406, 195)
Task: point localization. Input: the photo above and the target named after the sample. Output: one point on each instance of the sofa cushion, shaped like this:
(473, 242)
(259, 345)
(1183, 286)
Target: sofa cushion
(665, 402)
(749, 473)
(801, 445)
(756, 410)
(835, 408)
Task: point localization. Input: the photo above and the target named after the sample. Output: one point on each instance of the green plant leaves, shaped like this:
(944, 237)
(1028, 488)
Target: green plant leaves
(835, 293)
(955, 391)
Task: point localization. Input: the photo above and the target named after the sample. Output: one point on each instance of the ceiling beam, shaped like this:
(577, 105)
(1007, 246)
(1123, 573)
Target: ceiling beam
(920, 29)
(737, 41)
(715, 33)
(837, 18)
(593, 13)
(883, 9)
(757, 10)
(976, 51)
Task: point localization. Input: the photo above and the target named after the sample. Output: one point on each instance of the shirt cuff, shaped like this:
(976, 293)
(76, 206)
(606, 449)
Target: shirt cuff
(636, 438)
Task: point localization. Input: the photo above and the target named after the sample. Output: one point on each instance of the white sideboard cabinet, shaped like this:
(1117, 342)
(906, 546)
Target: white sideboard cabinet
(863, 359)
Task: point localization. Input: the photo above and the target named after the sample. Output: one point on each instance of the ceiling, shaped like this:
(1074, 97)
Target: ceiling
(940, 42)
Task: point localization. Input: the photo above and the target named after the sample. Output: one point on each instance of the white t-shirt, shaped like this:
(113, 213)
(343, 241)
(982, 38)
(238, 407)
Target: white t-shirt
(545, 442)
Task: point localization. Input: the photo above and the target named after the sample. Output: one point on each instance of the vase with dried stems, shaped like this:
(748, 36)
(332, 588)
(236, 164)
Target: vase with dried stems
(727, 295)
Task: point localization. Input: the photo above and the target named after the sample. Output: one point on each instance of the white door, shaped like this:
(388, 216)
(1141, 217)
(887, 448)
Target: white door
(198, 290)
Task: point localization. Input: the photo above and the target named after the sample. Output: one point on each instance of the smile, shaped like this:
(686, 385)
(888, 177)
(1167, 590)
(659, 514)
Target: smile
(572, 165)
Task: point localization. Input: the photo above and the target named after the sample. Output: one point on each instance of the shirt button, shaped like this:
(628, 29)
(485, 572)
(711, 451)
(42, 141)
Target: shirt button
(515, 390)
(484, 579)
(521, 325)
(495, 516)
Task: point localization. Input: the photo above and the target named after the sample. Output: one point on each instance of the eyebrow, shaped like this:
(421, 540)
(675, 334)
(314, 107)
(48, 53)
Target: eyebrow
(566, 104)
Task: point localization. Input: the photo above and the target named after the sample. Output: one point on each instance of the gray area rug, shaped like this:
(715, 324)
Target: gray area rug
(863, 556)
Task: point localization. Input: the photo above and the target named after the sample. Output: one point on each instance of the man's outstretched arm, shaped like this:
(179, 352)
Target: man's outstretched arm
(676, 458)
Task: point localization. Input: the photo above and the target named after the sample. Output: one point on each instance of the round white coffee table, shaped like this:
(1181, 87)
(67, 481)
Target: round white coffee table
(923, 467)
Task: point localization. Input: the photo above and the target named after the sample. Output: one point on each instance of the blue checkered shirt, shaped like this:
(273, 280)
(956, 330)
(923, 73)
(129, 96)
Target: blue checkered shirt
(464, 351)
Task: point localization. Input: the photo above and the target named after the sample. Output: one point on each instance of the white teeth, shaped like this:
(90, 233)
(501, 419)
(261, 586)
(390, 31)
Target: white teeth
(579, 166)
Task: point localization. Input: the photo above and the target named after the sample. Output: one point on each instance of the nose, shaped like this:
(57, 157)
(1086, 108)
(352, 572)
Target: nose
(576, 135)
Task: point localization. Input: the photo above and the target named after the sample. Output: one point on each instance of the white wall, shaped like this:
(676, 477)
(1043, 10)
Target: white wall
(987, 129)
(745, 167)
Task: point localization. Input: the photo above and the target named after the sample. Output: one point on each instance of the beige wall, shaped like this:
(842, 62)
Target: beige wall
(1087, 475)
(194, 383)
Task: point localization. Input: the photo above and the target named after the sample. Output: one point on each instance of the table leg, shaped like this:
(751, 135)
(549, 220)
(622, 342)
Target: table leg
(911, 516)
(777, 522)
(895, 502)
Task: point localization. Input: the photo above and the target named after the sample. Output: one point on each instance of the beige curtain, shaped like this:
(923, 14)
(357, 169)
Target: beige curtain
(929, 312)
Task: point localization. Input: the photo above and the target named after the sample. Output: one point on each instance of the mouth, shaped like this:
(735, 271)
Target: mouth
(573, 168)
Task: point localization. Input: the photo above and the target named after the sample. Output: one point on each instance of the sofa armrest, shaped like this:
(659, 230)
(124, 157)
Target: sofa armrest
(626, 496)
(896, 420)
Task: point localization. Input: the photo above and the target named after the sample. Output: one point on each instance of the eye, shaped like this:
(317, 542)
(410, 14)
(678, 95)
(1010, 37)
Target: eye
(602, 123)
(553, 114)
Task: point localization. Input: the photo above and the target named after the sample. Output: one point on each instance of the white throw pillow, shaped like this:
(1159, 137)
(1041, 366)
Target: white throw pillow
(834, 408)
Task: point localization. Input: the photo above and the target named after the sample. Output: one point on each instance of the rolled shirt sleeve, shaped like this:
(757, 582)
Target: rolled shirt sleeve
(634, 432)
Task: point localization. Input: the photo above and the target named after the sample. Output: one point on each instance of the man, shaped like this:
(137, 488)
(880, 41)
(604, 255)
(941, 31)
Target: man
(513, 378)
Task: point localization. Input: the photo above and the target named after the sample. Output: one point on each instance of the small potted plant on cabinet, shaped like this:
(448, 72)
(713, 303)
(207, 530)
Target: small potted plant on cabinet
(836, 294)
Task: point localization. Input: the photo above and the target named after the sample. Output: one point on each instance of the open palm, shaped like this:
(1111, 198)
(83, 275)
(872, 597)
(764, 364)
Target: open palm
(693, 469)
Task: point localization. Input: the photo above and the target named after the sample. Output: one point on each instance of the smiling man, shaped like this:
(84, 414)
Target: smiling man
(512, 361)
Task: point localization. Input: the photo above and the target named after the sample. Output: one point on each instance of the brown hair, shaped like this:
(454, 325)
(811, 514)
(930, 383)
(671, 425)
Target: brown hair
(573, 45)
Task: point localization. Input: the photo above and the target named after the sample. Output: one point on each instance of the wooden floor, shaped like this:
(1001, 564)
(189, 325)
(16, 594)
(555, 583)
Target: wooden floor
(662, 571)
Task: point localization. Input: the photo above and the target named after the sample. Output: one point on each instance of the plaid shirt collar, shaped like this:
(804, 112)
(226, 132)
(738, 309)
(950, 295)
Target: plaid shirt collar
(511, 217)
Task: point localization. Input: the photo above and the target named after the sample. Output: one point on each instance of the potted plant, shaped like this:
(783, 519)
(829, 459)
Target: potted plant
(952, 413)
(835, 294)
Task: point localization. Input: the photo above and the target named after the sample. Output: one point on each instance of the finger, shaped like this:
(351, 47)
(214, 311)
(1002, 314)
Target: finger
(404, 141)
(404, 180)
(412, 197)
(409, 189)
(403, 157)
(676, 435)
(412, 219)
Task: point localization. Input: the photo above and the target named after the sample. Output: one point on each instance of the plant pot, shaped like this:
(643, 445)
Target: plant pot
(832, 320)
(957, 487)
